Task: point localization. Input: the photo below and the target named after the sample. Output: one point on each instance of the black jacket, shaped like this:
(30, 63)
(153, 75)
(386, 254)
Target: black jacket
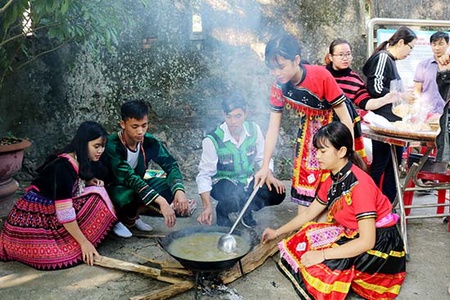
(443, 138)
(380, 69)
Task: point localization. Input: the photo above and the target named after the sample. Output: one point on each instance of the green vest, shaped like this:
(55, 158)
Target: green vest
(236, 164)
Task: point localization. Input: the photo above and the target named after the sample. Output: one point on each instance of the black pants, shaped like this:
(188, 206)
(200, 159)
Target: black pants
(129, 212)
(231, 197)
(382, 164)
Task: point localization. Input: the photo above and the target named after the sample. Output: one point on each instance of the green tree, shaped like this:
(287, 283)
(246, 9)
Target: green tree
(54, 24)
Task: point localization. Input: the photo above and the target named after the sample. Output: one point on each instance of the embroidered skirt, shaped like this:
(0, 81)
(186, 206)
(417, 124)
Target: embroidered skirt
(307, 174)
(374, 274)
(32, 234)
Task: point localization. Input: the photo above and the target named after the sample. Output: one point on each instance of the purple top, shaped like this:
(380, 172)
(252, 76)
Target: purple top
(426, 74)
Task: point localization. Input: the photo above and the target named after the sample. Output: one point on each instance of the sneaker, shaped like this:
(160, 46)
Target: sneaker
(248, 221)
(121, 230)
(140, 225)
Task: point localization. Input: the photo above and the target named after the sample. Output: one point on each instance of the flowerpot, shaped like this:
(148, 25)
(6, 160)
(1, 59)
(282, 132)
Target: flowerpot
(11, 157)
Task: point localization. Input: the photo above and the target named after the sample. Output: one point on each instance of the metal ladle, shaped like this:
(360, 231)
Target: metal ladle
(227, 243)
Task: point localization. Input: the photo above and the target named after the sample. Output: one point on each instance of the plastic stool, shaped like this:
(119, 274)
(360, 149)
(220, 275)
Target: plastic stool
(439, 177)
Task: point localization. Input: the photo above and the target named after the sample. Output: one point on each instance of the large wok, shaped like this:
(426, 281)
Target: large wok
(205, 266)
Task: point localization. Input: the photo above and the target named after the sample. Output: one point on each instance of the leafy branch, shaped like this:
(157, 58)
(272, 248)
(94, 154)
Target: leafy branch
(5, 7)
(21, 35)
(90, 23)
(40, 54)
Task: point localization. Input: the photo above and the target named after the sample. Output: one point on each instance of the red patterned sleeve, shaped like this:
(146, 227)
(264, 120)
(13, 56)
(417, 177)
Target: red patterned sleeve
(276, 98)
(64, 210)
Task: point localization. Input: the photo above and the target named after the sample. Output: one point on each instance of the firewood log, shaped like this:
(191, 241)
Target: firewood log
(166, 292)
(253, 259)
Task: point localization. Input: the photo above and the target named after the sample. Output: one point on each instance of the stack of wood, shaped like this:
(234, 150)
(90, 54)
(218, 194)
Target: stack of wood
(181, 279)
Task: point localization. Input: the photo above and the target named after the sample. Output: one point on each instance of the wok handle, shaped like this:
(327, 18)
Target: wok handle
(255, 190)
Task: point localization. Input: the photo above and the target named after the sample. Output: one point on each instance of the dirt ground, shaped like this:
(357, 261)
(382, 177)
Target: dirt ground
(428, 273)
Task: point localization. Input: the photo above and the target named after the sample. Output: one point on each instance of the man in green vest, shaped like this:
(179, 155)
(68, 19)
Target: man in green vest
(230, 154)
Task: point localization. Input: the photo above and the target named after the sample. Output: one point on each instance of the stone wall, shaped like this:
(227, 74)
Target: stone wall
(182, 76)
(411, 9)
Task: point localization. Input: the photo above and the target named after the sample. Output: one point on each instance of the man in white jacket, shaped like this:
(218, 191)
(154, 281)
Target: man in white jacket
(230, 154)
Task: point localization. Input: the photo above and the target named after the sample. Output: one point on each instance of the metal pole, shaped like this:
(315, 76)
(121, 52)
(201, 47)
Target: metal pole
(399, 198)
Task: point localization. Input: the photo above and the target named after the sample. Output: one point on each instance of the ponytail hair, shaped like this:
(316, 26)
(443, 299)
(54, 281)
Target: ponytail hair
(403, 33)
(338, 135)
(358, 161)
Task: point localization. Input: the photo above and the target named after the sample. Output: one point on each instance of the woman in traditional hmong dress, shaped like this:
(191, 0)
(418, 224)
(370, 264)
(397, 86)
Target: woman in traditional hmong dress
(315, 96)
(359, 247)
(59, 222)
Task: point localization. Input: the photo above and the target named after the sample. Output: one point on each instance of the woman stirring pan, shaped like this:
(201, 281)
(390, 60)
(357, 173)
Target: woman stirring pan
(317, 100)
(359, 247)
